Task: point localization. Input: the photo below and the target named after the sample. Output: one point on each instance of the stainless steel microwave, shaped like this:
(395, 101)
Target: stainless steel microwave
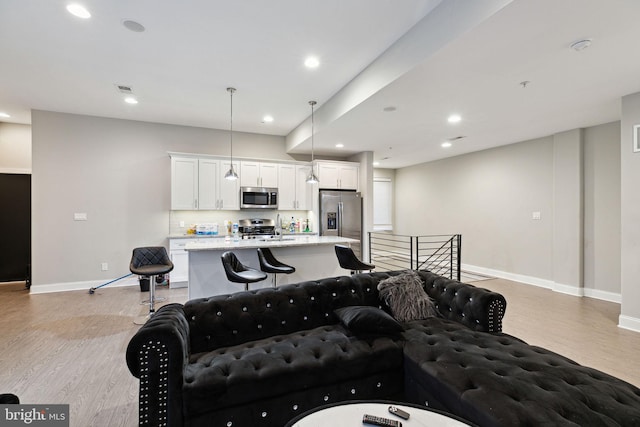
(258, 198)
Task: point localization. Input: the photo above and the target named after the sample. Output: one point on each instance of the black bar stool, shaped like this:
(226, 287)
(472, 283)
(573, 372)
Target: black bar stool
(269, 264)
(348, 260)
(149, 262)
(239, 273)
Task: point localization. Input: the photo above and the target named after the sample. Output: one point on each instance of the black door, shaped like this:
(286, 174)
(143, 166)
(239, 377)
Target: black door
(15, 217)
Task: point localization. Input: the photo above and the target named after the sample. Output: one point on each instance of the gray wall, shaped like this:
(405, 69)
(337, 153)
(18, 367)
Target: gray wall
(15, 148)
(489, 197)
(118, 172)
(99, 166)
(630, 214)
(602, 208)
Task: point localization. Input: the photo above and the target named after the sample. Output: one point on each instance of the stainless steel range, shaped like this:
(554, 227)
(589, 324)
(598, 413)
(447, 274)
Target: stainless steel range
(256, 228)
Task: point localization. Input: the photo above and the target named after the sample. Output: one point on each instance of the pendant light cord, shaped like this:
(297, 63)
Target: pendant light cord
(312, 178)
(312, 126)
(231, 90)
(231, 174)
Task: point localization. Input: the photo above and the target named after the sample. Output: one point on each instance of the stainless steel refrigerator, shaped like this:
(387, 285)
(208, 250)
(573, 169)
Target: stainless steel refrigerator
(341, 215)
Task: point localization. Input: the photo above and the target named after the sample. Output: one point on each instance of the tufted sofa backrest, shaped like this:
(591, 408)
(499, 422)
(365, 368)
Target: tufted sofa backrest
(477, 308)
(226, 320)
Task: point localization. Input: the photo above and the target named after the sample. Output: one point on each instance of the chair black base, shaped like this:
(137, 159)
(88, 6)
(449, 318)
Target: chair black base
(149, 262)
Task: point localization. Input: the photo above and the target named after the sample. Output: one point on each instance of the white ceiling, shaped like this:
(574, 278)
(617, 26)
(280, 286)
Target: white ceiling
(427, 58)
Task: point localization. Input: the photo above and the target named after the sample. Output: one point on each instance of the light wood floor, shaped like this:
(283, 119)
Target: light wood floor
(69, 347)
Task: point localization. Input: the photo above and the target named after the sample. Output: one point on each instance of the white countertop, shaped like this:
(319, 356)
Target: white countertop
(287, 241)
(222, 236)
(195, 236)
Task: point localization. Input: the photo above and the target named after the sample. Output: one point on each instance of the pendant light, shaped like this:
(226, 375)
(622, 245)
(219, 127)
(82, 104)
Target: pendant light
(231, 174)
(312, 178)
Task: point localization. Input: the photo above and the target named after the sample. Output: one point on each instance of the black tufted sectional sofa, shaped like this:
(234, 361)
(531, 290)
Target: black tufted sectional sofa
(261, 358)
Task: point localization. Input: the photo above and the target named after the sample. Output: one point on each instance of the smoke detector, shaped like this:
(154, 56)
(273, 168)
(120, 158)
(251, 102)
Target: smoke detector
(127, 90)
(580, 45)
(134, 26)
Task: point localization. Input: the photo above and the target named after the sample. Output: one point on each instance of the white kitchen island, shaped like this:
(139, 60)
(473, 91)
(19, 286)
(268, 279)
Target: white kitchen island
(313, 257)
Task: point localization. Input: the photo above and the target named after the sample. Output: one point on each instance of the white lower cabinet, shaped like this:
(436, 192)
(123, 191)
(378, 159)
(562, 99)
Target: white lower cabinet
(179, 276)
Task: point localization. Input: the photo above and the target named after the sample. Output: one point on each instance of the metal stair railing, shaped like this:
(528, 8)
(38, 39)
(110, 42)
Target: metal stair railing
(390, 251)
(445, 259)
(440, 254)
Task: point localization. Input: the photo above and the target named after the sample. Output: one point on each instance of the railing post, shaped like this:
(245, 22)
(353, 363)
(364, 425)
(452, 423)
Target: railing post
(459, 239)
(451, 258)
(411, 254)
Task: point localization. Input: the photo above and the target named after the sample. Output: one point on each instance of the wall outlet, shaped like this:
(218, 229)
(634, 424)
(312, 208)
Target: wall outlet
(80, 216)
(536, 216)
(105, 266)
(181, 224)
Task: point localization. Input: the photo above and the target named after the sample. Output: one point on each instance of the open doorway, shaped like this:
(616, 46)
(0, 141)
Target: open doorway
(15, 217)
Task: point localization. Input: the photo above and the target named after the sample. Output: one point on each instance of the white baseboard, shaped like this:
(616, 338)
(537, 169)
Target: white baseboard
(603, 295)
(547, 284)
(568, 289)
(80, 286)
(529, 280)
(630, 323)
(17, 171)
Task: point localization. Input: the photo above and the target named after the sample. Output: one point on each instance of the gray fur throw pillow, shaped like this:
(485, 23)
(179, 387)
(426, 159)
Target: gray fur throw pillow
(406, 297)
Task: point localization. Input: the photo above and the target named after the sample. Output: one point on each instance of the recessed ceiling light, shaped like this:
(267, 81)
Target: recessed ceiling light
(78, 10)
(267, 119)
(454, 118)
(445, 145)
(339, 145)
(4, 115)
(130, 100)
(376, 163)
(311, 62)
(134, 26)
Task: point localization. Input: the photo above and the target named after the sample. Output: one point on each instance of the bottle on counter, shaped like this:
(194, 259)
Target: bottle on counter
(298, 225)
(292, 226)
(236, 236)
(306, 225)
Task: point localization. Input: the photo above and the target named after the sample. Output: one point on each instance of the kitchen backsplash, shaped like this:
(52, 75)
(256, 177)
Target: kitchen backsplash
(211, 217)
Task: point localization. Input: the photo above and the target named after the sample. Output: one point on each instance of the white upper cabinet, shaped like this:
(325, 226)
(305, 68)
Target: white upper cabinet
(199, 184)
(228, 191)
(339, 175)
(184, 183)
(304, 191)
(287, 187)
(197, 181)
(208, 177)
(258, 174)
(293, 192)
